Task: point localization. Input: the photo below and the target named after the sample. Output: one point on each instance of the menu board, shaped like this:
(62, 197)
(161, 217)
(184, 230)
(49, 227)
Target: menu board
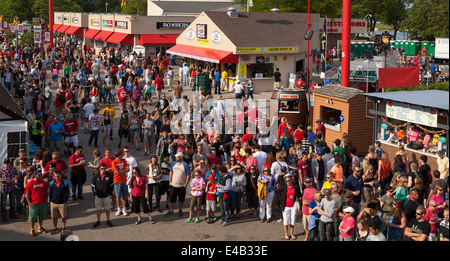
(412, 113)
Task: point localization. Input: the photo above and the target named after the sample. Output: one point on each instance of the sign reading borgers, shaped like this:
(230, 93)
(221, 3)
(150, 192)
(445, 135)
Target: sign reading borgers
(265, 49)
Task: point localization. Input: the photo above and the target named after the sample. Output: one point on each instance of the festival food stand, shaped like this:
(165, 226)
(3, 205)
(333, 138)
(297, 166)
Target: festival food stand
(291, 104)
(417, 120)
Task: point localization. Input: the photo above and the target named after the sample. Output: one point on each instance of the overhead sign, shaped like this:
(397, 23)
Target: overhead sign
(334, 25)
(264, 49)
(47, 37)
(172, 25)
(20, 28)
(412, 113)
(12, 29)
(289, 96)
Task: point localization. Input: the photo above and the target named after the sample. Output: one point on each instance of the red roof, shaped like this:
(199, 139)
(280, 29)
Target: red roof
(56, 26)
(121, 38)
(62, 28)
(103, 35)
(91, 33)
(75, 30)
(158, 39)
(204, 54)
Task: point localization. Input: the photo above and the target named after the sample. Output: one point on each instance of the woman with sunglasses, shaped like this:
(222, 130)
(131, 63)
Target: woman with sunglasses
(397, 221)
(238, 183)
(138, 182)
(252, 191)
(437, 195)
(265, 205)
(289, 193)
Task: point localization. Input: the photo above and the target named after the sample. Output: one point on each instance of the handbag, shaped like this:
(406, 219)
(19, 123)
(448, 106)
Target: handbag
(297, 208)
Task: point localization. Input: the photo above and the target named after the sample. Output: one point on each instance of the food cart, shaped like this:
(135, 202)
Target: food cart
(291, 104)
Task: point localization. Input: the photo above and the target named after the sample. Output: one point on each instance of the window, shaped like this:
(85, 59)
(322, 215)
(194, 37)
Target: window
(16, 141)
(260, 69)
(330, 117)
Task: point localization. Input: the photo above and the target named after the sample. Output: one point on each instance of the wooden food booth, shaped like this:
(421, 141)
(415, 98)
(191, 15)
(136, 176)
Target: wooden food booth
(291, 104)
(343, 110)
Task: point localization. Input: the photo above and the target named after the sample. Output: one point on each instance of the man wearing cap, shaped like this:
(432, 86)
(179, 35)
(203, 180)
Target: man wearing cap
(22, 156)
(308, 196)
(327, 211)
(58, 192)
(8, 177)
(71, 129)
(318, 168)
(59, 164)
(178, 180)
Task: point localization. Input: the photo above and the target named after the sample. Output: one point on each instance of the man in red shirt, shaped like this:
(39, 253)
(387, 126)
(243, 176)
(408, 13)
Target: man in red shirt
(47, 123)
(89, 66)
(71, 127)
(298, 134)
(123, 96)
(36, 193)
(159, 85)
(302, 167)
(320, 128)
(59, 105)
(78, 176)
(120, 168)
(60, 164)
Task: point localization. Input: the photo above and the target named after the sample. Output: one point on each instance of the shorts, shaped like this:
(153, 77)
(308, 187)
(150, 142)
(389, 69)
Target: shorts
(147, 139)
(276, 85)
(55, 145)
(177, 192)
(164, 188)
(289, 216)
(305, 220)
(102, 203)
(196, 201)
(73, 139)
(94, 99)
(211, 205)
(121, 190)
(37, 211)
(123, 133)
(58, 210)
(134, 130)
(123, 105)
(108, 127)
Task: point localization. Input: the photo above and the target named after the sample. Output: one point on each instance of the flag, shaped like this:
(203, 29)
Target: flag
(323, 45)
(1, 18)
(250, 2)
(124, 3)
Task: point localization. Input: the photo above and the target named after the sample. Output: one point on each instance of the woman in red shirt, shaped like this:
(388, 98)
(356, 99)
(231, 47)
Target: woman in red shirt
(289, 193)
(138, 182)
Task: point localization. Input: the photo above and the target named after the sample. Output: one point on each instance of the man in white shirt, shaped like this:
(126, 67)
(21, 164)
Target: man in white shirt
(238, 88)
(131, 163)
(260, 157)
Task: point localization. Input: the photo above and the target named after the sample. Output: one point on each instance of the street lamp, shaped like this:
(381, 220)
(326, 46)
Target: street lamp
(386, 39)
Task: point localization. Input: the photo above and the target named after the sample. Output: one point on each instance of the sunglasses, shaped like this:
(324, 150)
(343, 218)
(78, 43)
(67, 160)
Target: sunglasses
(103, 169)
(126, 151)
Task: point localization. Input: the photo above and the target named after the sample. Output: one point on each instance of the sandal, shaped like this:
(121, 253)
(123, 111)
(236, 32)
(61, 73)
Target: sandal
(152, 221)
(138, 222)
(286, 237)
(293, 237)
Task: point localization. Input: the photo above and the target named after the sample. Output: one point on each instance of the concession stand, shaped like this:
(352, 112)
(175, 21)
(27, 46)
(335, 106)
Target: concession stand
(250, 44)
(291, 104)
(416, 120)
(343, 110)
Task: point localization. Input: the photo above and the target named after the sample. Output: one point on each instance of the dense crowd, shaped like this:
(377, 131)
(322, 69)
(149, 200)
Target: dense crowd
(337, 195)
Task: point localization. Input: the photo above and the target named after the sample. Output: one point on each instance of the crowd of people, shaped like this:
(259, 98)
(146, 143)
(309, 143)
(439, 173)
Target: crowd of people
(336, 194)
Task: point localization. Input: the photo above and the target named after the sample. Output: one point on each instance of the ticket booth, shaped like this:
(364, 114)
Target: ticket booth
(291, 104)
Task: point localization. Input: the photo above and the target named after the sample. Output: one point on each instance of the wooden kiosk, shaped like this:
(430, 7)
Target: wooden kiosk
(291, 104)
(343, 110)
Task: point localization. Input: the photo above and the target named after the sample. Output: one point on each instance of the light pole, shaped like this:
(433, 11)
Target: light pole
(50, 21)
(346, 31)
(106, 7)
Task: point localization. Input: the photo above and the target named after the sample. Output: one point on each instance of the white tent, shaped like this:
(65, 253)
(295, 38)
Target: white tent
(13, 126)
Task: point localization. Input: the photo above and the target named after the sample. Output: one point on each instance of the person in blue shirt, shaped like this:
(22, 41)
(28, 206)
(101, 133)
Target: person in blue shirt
(217, 77)
(56, 131)
(354, 184)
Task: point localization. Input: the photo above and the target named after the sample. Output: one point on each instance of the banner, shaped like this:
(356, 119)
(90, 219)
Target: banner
(47, 37)
(37, 37)
(398, 77)
(20, 28)
(323, 46)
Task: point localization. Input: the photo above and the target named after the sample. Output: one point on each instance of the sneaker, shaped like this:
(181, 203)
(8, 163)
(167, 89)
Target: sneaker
(170, 213)
(109, 223)
(96, 224)
(32, 233)
(188, 220)
(280, 220)
(197, 220)
(119, 211)
(124, 211)
(42, 230)
(225, 224)
(214, 217)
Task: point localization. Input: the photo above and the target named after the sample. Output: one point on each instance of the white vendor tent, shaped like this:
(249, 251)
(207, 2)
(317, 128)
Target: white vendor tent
(13, 126)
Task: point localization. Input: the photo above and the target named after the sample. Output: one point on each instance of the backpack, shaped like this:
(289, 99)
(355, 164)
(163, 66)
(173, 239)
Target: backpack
(62, 98)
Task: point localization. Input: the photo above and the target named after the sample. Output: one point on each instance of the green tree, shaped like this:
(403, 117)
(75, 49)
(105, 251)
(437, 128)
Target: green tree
(371, 9)
(27, 39)
(40, 7)
(394, 13)
(21, 8)
(428, 19)
(135, 7)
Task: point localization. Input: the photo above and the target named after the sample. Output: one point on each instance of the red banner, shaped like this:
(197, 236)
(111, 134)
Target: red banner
(398, 77)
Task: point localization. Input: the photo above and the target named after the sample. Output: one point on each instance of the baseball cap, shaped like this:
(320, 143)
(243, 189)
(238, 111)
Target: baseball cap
(179, 154)
(52, 165)
(213, 166)
(309, 180)
(6, 160)
(349, 209)
(327, 192)
(21, 150)
(211, 177)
